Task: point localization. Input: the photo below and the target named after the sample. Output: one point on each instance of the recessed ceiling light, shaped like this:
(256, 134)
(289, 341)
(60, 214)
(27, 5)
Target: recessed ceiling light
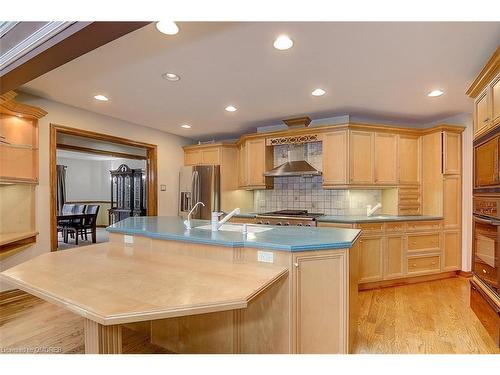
(167, 27)
(171, 77)
(283, 42)
(435, 93)
(231, 108)
(101, 98)
(186, 126)
(318, 92)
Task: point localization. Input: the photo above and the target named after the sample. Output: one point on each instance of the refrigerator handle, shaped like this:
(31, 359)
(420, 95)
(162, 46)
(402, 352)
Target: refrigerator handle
(195, 188)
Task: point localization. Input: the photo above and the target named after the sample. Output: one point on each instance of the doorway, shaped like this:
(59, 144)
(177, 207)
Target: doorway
(101, 155)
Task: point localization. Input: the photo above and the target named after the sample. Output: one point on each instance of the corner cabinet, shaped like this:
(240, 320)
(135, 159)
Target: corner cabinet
(18, 174)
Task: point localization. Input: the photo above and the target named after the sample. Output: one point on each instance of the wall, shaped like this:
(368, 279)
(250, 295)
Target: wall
(170, 159)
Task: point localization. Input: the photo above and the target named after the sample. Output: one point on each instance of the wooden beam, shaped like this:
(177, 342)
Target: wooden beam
(84, 40)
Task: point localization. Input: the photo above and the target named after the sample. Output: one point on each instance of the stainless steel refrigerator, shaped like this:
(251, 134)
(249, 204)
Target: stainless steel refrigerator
(199, 184)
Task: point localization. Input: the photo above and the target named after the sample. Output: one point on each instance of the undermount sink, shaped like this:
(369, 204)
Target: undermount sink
(236, 228)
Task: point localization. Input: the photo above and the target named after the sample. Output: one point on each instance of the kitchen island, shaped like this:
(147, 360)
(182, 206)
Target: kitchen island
(278, 290)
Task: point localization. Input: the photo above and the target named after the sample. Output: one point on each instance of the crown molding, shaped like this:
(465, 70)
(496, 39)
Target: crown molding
(489, 71)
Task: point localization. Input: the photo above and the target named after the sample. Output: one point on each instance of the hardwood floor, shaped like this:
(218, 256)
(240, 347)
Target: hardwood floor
(40, 327)
(430, 317)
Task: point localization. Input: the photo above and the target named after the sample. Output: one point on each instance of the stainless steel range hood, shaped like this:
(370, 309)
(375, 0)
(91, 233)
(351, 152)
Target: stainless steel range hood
(293, 168)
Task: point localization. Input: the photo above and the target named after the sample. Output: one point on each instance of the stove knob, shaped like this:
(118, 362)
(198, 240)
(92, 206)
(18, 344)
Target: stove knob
(259, 222)
(278, 223)
(286, 224)
(267, 223)
(300, 224)
(308, 225)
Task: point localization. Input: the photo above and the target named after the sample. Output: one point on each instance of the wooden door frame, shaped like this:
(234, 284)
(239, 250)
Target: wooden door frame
(151, 160)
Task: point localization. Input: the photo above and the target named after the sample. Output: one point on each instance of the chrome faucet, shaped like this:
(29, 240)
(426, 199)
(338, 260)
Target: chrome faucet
(187, 223)
(370, 211)
(216, 224)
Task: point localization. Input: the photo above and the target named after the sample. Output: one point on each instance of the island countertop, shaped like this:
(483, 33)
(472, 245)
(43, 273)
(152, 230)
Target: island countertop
(354, 219)
(274, 238)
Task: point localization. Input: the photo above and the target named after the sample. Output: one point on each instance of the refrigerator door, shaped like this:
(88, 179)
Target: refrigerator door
(185, 191)
(206, 189)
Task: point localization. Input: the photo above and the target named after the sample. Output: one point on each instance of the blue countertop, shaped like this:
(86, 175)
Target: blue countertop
(278, 238)
(351, 219)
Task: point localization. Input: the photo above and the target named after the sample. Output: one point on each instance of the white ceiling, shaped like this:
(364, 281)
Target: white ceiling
(377, 70)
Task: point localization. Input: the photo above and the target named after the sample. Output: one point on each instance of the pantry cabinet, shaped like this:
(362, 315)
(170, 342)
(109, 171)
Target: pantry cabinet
(452, 152)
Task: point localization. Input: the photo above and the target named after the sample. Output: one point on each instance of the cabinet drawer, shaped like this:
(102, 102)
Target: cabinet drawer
(420, 242)
(367, 228)
(334, 225)
(423, 225)
(423, 264)
(409, 211)
(394, 227)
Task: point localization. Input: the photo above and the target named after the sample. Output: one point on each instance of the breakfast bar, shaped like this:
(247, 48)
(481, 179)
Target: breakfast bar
(198, 291)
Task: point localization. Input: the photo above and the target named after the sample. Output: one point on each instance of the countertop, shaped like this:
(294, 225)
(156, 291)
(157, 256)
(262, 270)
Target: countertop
(112, 284)
(277, 238)
(352, 219)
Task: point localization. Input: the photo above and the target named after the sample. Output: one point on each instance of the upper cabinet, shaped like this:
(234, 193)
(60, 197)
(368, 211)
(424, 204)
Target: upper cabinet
(409, 159)
(202, 155)
(386, 158)
(452, 152)
(361, 155)
(486, 93)
(335, 148)
(255, 158)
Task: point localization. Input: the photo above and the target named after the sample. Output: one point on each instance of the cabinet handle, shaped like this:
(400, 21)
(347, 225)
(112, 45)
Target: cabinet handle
(484, 271)
(296, 264)
(486, 119)
(433, 263)
(413, 265)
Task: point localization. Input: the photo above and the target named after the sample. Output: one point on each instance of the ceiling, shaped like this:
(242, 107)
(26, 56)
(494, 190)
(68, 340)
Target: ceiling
(377, 70)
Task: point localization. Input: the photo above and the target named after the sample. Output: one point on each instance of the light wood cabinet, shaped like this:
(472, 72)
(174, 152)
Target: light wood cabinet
(370, 258)
(394, 257)
(452, 152)
(320, 289)
(481, 113)
(255, 158)
(202, 156)
(409, 159)
(242, 169)
(424, 264)
(386, 158)
(452, 202)
(495, 100)
(452, 253)
(335, 158)
(361, 155)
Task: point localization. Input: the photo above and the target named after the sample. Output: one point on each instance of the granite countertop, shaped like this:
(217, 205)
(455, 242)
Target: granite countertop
(277, 238)
(351, 219)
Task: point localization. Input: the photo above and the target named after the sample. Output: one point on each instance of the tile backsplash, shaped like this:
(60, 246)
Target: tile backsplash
(307, 193)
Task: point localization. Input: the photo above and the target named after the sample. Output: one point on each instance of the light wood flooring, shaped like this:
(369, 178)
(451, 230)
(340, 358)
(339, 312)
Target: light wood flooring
(431, 317)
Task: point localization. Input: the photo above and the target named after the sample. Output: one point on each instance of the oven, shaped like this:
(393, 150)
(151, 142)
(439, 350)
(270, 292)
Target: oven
(486, 166)
(486, 241)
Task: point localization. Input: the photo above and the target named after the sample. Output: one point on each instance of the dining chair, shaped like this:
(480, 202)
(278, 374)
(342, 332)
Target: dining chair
(62, 223)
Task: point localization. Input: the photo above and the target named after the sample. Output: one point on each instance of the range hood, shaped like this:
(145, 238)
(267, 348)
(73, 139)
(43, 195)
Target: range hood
(296, 165)
(293, 168)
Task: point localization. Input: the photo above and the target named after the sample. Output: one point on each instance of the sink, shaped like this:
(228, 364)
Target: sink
(378, 217)
(236, 228)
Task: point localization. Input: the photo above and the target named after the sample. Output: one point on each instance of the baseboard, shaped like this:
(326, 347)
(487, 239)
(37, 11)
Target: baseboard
(465, 274)
(14, 295)
(407, 280)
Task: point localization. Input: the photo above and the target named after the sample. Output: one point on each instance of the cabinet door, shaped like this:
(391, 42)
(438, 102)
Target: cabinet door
(452, 202)
(335, 158)
(452, 251)
(409, 159)
(393, 257)
(495, 100)
(481, 113)
(320, 290)
(210, 156)
(256, 162)
(361, 157)
(452, 150)
(370, 259)
(386, 153)
(242, 166)
(192, 157)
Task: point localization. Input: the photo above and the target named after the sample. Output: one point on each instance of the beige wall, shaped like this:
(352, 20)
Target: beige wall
(170, 159)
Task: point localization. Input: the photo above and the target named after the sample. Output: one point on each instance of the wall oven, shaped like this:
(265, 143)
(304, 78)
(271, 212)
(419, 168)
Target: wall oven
(486, 241)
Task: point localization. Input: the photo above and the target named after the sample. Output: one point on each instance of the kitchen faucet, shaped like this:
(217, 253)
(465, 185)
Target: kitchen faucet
(216, 224)
(370, 211)
(187, 223)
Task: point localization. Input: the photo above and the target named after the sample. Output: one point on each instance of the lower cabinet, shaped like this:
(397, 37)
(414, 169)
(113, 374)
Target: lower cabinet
(370, 258)
(393, 257)
(321, 284)
(452, 253)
